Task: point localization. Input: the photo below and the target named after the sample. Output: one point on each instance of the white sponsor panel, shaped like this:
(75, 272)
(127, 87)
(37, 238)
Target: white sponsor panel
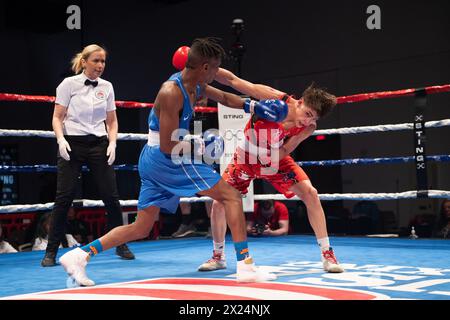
(231, 126)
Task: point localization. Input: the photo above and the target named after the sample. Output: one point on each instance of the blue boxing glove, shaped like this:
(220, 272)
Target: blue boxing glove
(272, 109)
(209, 148)
(214, 144)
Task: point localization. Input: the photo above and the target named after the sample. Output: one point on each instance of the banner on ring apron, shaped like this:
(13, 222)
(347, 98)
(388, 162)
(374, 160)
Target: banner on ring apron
(231, 126)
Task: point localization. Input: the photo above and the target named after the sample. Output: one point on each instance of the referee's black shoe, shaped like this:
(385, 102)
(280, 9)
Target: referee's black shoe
(124, 252)
(49, 259)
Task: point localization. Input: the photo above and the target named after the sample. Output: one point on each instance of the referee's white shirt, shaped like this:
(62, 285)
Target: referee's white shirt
(86, 105)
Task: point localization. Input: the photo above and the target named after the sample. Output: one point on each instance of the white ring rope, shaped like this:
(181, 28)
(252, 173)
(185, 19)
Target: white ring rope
(361, 196)
(324, 197)
(51, 134)
(144, 137)
(382, 128)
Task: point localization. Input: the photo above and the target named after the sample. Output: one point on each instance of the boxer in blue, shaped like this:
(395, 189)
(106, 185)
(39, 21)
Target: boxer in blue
(166, 176)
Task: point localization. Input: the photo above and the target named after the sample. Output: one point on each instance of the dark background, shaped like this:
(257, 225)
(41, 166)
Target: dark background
(288, 44)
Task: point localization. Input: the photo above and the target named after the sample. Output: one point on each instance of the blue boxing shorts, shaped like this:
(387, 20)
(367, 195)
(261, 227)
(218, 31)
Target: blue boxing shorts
(164, 181)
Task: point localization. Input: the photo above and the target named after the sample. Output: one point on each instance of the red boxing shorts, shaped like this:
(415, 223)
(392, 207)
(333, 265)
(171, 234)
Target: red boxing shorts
(239, 174)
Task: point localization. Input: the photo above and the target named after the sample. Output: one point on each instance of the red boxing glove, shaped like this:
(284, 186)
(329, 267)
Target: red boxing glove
(179, 58)
(270, 134)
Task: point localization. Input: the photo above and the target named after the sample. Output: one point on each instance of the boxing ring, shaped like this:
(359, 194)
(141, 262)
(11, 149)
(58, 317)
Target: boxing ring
(376, 268)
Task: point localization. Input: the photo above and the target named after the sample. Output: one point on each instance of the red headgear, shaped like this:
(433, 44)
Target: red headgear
(180, 57)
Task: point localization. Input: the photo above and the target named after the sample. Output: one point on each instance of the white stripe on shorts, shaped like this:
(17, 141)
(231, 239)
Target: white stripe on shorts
(209, 187)
(187, 174)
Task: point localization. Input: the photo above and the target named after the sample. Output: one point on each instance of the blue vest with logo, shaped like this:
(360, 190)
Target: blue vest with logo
(188, 109)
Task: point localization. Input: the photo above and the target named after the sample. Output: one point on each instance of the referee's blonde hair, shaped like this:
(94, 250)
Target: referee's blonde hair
(77, 65)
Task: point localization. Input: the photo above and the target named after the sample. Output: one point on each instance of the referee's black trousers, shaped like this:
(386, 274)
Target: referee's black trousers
(89, 150)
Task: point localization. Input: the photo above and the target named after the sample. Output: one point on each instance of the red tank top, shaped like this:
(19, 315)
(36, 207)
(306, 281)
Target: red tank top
(263, 135)
(274, 132)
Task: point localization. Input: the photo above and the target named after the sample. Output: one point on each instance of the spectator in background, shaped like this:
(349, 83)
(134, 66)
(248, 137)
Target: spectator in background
(190, 221)
(270, 218)
(5, 247)
(442, 229)
(42, 230)
(187, 226)
(78, 228)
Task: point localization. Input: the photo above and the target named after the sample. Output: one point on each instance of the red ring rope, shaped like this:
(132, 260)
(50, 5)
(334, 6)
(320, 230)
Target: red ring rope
(345, 99)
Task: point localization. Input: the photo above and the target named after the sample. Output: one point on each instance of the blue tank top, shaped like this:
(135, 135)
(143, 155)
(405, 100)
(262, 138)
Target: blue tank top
(188, 109)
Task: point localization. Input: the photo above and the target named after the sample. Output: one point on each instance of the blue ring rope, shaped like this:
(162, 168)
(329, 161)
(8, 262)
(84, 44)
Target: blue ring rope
(321, 163)
(442, 158)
